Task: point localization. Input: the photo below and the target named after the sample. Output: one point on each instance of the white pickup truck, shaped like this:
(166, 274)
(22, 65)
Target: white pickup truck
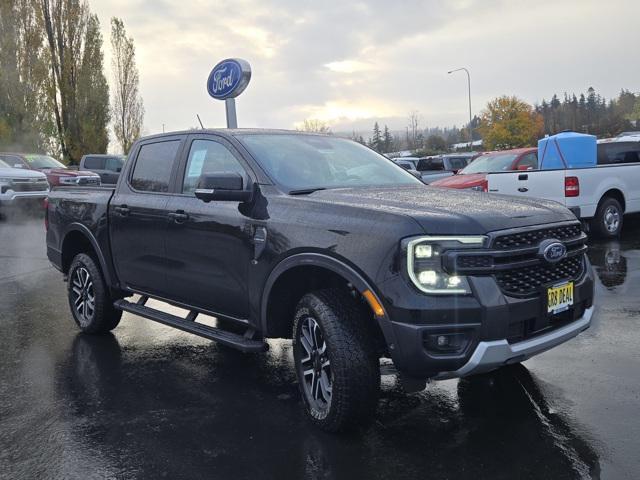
(599, 194)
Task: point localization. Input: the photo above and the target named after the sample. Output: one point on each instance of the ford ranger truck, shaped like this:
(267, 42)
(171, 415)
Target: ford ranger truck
(323, 241)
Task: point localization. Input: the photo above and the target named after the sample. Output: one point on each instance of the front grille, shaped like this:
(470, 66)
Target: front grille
(474, 261)
(528, 280)
(29, 187)
(532, 238)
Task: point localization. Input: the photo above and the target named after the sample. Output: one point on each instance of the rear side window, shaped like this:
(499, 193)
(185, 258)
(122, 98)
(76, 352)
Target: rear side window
(618, 152)
(208, 156)
(152, 171)
(430, 164)
(96, 163)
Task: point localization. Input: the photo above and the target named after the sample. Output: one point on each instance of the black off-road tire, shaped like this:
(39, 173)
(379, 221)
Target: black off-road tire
(607, 222)
(345, 329)
(85, 277)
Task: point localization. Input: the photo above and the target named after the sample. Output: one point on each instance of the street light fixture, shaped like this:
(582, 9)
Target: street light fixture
(469, 85)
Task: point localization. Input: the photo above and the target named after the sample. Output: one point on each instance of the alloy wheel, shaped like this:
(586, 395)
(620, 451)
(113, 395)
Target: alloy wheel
(315, 364)
(84, 299)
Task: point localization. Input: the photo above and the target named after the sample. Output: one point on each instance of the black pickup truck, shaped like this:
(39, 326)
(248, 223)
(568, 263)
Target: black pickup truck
(319, 239)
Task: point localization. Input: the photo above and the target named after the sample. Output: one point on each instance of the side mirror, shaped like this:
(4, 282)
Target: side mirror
(224, 186)
(18, 165)
(118, 170)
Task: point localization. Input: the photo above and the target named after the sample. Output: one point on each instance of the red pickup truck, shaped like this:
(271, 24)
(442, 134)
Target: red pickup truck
(56, 172)
(474, 175)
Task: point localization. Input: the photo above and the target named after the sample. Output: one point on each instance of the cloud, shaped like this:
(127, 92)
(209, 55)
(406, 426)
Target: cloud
(344, 62)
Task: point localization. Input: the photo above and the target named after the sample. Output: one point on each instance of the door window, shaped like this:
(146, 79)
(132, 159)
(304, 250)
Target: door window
(114, 164)
(152, 171)
(618, 152)
(208, 156)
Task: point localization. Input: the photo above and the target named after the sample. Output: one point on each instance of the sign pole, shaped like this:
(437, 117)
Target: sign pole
(230, 107)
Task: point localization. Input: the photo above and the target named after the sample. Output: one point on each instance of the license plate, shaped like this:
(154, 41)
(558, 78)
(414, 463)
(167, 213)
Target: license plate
(559, 298)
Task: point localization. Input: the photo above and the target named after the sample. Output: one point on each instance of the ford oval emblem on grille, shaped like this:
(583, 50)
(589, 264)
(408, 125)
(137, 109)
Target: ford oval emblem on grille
(553, 252)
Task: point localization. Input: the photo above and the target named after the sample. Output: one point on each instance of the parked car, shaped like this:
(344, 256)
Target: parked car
(599, 194)
(107, 166)
(21, 187)
(474, 176)
(433, 168)
(320, 239)
(56, 172)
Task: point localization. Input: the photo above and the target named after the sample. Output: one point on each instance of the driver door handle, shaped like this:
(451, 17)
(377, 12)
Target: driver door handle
(122, 210)
(178, 216)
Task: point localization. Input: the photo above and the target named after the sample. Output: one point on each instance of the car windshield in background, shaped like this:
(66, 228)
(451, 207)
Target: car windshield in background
(301, 162)
(43, 161)
(4, 165)
(490, 163)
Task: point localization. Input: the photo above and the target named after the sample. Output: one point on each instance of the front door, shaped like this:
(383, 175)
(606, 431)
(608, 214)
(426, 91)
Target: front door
(138, 215)
(209, 244)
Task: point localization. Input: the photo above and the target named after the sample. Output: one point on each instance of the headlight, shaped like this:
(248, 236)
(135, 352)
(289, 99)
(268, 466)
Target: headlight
(5, 180)
(424, 263)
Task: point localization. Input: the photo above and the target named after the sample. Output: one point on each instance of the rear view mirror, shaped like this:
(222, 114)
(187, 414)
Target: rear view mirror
(224, 186)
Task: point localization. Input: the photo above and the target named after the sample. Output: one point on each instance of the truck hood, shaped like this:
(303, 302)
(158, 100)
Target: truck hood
(449, 212)
(20, 173)
(461, 181)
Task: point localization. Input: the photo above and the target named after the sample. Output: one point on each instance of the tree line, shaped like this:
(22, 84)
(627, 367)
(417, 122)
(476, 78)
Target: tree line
(54, 95)
(509, 122)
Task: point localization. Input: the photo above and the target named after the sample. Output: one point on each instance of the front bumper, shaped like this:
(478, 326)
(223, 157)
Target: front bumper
(494, 354)
(11, 197)
(499, 329)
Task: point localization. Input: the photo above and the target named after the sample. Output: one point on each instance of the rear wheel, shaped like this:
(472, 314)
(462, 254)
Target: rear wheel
(608, 220)
(89, 299)
(336, 363)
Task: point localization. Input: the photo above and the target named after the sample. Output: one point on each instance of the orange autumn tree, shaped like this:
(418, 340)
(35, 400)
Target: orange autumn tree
(508, 122)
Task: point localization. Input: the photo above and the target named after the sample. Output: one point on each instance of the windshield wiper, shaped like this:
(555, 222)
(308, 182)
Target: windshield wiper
(306, 191)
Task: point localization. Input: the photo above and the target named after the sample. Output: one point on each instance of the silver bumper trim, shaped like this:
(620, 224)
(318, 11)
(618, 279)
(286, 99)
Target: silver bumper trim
(11, 196)
(494, 354)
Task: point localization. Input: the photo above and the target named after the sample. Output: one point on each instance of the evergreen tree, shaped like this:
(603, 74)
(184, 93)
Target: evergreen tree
(387, 140)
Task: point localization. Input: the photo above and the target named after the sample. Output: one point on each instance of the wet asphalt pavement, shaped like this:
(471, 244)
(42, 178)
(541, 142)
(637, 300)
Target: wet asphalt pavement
(152, 402)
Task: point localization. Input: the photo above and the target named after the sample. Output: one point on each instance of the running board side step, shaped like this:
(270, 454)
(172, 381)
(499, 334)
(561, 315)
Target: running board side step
(229, 339)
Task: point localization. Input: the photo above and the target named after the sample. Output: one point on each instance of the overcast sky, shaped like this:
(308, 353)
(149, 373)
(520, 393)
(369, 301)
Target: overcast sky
(350, 63)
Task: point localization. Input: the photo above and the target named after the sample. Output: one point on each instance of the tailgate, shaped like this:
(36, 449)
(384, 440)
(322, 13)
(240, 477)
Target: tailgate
(547, 184)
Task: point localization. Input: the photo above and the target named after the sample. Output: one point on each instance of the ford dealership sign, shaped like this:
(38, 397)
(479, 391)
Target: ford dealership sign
(229, 78)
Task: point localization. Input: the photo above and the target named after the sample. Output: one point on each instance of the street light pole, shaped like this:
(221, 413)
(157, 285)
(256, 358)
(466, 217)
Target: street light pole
(469, 86)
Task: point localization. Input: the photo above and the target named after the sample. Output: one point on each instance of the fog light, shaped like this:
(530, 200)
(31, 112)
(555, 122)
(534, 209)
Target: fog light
(454, 281)
(428, 277)
(451, 343)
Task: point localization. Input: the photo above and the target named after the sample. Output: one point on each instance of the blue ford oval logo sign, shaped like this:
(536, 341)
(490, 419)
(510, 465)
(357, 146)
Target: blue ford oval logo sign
(229, 78)
(554, 252)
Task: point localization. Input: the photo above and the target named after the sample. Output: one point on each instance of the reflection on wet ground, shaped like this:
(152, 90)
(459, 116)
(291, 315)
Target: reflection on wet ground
(150, 402)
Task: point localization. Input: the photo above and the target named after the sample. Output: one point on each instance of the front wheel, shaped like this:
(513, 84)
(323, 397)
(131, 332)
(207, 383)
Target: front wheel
(336, 364)
(608, 220)
(89, 299)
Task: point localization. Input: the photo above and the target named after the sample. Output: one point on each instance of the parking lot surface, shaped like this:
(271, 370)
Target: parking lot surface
(152, 402)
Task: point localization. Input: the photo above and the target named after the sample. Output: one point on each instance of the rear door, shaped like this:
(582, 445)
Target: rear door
(547, 184)
(209, 245)
(138, 215)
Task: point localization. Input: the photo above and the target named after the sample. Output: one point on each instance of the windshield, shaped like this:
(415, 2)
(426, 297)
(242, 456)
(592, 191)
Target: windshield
(490, 163)
(42, 161)
(300, 162)
(4, 165)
